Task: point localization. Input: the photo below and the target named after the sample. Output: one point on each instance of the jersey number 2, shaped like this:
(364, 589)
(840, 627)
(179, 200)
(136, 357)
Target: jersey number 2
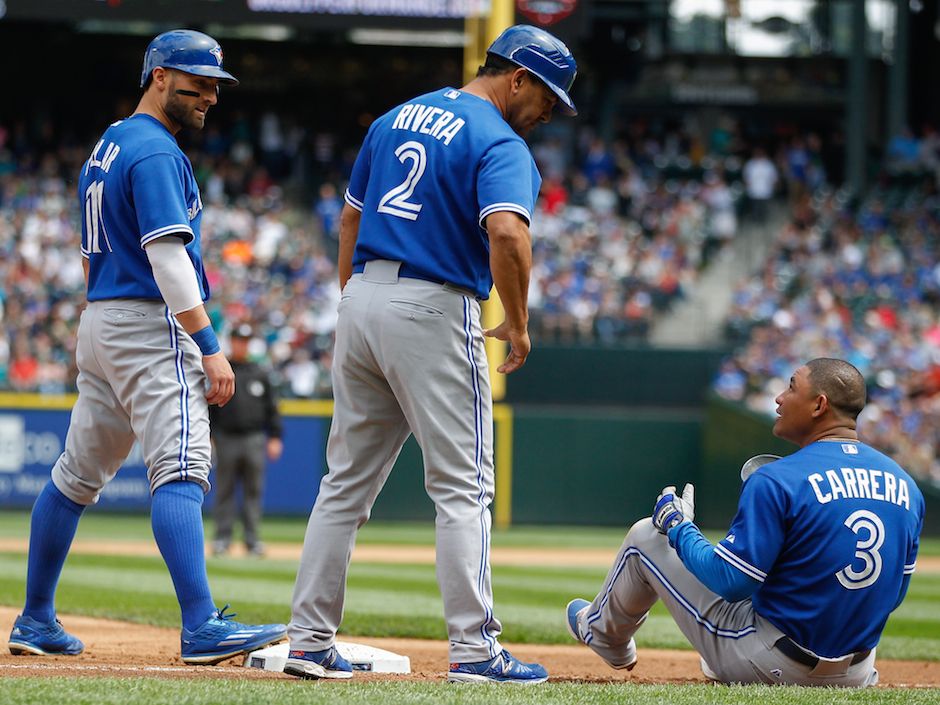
(866, 549)
(395, 201)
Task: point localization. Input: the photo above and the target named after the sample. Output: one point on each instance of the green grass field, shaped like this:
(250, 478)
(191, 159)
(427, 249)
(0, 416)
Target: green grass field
(396, 600)
(151, 691)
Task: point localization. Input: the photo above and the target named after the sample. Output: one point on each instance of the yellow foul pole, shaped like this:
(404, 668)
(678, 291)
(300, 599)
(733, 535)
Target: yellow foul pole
(481, 31)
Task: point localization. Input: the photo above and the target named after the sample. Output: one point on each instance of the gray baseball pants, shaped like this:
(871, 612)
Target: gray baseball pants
(409, 358)
(736, 644)
(140, 376)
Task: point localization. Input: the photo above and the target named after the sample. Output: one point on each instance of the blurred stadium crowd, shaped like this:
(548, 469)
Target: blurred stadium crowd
(622, 230)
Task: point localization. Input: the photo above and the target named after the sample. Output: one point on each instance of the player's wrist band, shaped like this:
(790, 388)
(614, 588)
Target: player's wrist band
(207, 341)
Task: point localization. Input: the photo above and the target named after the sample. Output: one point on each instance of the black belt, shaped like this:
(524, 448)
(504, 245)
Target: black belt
(791, 649)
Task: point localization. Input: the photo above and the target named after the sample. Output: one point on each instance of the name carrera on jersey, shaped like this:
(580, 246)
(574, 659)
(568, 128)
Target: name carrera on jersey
(859, 483)
(428, 120)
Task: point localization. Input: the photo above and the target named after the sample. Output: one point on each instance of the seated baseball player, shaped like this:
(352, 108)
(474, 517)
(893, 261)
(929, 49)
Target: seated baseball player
(820, 552)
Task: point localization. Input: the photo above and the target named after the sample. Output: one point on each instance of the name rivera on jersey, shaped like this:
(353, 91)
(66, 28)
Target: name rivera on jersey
(428, 120)
(859, 483)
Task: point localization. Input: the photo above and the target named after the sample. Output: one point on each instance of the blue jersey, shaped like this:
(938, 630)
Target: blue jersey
(429, 173)
(136, 186)
(830, 531)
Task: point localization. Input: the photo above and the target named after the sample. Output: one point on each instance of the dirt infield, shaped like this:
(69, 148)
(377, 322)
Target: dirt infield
(377, 553)
(132, 650)
(369, 553)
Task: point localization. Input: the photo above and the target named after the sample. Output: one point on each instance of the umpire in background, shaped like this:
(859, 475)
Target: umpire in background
(246, 433)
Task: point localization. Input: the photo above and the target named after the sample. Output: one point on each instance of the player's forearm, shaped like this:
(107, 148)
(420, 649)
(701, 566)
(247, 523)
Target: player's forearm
(348, 234)
(698, 555)
(194, 320)
(511, 265)
(175, 276)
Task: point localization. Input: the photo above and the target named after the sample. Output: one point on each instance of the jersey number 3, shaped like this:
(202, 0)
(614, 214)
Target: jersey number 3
(866, 549)
(395, 201)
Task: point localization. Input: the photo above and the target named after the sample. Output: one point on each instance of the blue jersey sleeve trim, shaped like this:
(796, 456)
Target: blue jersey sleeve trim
(353, 201)
(183, 231)
(908, 569)
(511, 207)
(741, 565)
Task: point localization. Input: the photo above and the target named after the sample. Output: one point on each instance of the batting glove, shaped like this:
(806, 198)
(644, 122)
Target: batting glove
(672, 509)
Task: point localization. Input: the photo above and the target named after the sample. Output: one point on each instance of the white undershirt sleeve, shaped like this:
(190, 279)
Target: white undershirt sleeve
(174, 273)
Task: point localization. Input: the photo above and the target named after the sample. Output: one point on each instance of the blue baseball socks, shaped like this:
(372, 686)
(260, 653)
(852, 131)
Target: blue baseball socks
(176, 517)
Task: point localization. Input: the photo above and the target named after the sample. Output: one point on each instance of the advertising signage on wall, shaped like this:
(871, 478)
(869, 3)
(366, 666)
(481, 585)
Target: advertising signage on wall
(546, 12)
(315, 14)
(32, 439)
(388, 8)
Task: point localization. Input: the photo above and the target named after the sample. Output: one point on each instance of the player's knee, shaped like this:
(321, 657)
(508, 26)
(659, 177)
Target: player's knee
(69, 480)
(457, 501)
(642, 533)
(160, 477)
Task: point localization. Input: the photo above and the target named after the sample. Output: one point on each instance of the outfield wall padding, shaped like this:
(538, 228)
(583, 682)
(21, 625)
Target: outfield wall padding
(574, 466)
(628, 377)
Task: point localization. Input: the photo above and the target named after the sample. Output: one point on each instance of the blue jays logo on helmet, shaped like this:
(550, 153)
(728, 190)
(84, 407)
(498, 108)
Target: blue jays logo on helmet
(543, 55)
(187, 51)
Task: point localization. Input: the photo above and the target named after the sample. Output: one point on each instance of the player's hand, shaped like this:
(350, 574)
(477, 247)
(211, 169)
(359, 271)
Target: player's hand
(221, 379)
(672, 509)
(519, 346)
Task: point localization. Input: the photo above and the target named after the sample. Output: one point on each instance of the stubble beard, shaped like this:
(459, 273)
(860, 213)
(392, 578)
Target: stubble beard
(185, 117)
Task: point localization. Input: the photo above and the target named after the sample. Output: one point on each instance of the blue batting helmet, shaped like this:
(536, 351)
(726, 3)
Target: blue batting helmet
(543, 55)
(187, 51)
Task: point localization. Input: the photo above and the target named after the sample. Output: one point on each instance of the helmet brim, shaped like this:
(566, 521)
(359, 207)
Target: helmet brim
(564, 105)
(224, 77)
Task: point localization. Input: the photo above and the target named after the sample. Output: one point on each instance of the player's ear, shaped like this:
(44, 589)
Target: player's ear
(160, 77)
(519, 76)
(822, 405)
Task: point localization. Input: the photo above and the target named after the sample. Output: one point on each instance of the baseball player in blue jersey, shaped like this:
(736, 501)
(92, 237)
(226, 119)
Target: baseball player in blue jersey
(437, 210)
(820, 552)
(149, 363)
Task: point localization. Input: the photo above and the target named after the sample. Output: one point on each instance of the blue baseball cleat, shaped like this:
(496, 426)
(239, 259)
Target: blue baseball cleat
(312, 665)
(30, 636)
(221, 637)
(505, 668)
(574, 611)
